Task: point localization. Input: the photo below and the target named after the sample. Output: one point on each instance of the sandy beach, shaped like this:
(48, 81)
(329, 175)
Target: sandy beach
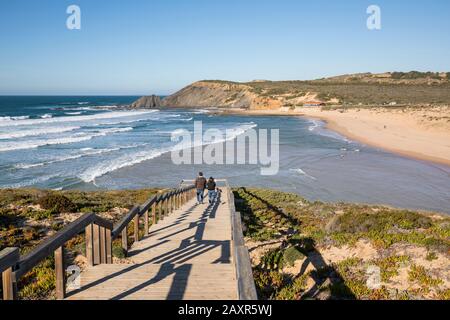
(421, 133)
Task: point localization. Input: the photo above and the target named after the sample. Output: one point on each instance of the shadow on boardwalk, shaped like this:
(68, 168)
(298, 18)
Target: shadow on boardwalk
(174, 262)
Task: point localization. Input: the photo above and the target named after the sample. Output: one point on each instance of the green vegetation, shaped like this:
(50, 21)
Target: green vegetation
(304, 228)
(57, 203)
(415, 75)
(419, 274)
(301, 230)
(28, 216)
(411, 88)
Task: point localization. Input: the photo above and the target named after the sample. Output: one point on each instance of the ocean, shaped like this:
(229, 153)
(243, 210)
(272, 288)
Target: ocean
(84, 143)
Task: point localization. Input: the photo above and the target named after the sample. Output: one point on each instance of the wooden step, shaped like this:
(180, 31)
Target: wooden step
(187, 255)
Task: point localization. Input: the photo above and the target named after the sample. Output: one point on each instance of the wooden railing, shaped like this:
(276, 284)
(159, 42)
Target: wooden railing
(99, 235)
(8, 258)
(244, 272)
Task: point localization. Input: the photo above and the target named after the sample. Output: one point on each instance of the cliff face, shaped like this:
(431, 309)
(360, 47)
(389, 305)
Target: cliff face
(410, 88)
(220, 94)
(147, 102)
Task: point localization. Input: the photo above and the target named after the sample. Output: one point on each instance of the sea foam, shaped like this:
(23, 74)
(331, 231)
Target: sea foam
(99, 116)
(35, 132)
(33, 144)
(131, 159)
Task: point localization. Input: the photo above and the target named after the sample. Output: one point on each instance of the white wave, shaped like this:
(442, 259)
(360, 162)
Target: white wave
(47, 116)
(74, 108)
(315, 124)
(81, 103)
(99, 116)
(40, 143)
(201, 111)
(35, 132)
(33, 144)
(132, 159)
(14, 118)
(67, 158)
(107, 107)
(303, 173)
(31, 182)
(105, 132)
(318, 127)
(74, 113)
(124, 161)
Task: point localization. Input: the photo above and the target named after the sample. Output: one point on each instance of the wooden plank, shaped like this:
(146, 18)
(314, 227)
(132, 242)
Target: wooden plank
(7, 282)
(89, 245)
(8, 258)
(166, 208)
(60, 271)
(125, 239)
(154, 221)
(96, 243)
(125, 221)
(136, 228)
(187, 256)
(146, 224)
(161, 216)
(102, 245)
(244, 272)
(108, 245)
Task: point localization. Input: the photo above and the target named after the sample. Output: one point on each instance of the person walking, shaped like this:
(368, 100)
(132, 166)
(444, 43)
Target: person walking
(200, 185)
(211, 185)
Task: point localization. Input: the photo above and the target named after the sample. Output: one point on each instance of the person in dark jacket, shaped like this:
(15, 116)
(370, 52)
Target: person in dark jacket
(200, 185)
(211, 185)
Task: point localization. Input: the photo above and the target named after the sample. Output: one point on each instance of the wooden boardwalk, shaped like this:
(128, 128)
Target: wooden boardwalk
(187, 255)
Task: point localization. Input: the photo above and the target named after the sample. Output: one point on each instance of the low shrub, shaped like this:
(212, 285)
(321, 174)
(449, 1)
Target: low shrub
(291, 255)
(57, 203)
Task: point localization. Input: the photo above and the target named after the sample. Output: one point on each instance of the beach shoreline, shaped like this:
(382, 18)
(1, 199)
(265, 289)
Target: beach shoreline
(408, 133)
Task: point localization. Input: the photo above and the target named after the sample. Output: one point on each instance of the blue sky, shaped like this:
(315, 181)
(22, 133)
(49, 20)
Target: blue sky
(159, 46)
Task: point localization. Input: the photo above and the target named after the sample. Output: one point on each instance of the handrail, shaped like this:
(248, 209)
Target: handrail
(121, 225)
(140, 210)
(47, 247)
(8, 259)
(99, 235)
(244, 272)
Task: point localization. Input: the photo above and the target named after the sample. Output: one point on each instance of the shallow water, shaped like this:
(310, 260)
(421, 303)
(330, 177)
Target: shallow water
(67, 142)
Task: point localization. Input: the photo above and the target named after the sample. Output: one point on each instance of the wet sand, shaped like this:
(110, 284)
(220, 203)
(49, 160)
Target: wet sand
(419, 133)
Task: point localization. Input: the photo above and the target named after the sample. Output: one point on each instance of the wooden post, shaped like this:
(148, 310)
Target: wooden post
(102, 245)
(96, 243)
(108, 245)
(7, 281)
(146, 223)
(125, 239)
(161, 216)
(60, 273)
(136, 228)
(154, 221)
(89, 245)
(167, 207)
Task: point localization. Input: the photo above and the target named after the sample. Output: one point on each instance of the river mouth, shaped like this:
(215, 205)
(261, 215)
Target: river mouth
(316, 163)
(83, 145)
